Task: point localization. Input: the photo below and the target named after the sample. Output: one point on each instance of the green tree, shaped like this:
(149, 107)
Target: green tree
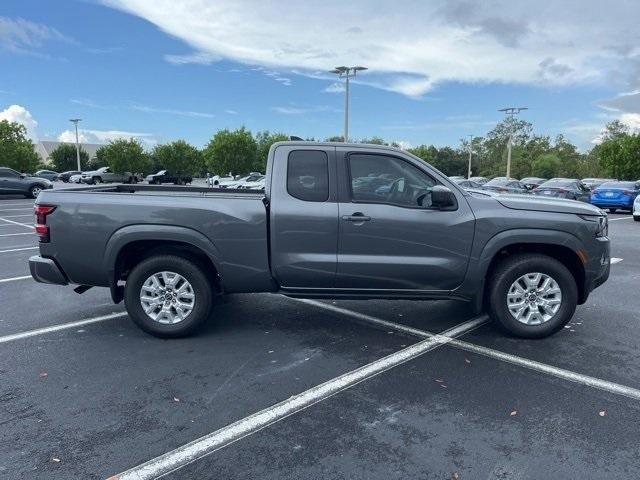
(231, 151)
(16, 150)
(264, 140)
(374, 141)
(620, 156)
(335, 138)
(178, 157)
(124, 156)
(546, 165)
(64, 157)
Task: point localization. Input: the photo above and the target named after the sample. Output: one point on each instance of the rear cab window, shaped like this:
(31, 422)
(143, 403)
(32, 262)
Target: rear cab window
(308, 175)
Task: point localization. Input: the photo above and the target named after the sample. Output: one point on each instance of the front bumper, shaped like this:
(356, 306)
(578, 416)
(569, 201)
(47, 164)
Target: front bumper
(600, 203)
(598, 268)
(46, 270)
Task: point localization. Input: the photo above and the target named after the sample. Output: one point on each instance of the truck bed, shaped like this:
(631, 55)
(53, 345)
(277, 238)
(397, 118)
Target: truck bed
(88, 222)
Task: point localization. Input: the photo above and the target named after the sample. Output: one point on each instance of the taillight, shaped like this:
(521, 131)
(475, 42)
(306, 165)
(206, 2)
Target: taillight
(42, 230)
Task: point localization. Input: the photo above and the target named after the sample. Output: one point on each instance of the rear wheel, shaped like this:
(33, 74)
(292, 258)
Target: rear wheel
(612, 210)
(34, 191)
(96, 180)
(168, 296)
(532, 295)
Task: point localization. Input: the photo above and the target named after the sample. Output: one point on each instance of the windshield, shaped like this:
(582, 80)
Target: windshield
(500, 182)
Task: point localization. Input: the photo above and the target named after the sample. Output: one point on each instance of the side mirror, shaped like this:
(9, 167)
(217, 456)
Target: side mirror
(442, 197)
(23, 175)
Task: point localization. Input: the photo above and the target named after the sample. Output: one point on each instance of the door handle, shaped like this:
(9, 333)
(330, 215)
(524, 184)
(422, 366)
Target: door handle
(356, 217)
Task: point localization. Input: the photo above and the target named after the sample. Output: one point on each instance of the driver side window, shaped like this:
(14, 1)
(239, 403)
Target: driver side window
(391, 180)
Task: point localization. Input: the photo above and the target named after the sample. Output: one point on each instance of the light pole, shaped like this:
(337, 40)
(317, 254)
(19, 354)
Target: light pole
(511, 112)
(347, 73)
(75, 122)
(470, 153)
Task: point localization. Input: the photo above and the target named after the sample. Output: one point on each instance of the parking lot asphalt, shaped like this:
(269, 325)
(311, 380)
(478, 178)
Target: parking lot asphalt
(102, 397)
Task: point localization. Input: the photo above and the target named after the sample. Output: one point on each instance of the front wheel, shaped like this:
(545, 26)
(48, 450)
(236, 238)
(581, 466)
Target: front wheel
(168, 296)
(636, 218)
(532, 295)
(612, 210)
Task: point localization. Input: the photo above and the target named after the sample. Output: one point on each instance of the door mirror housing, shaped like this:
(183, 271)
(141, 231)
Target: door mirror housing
(442, 198)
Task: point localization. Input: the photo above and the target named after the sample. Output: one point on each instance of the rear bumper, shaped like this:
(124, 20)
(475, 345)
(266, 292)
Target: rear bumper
(46, 270)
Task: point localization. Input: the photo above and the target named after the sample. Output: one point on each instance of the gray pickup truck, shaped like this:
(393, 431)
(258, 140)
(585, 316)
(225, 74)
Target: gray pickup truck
(334, 221)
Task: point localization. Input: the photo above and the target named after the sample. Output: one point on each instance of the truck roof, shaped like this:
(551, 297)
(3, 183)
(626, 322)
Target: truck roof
(367, 146)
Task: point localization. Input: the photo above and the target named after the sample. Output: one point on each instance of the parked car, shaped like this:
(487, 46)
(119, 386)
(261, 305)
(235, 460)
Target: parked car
(532, 182)
(505, 185)
(310, 234)
(16, 183)
(105, 175)
(253, 183)
(570, 188)
(636, 208)
(615, 195)
(217, 180)
(48, 174)
(240, 182)
(593, 183)
(467, 184)
(164, 176)
(66, 176)
(77, 178)
(479, 180)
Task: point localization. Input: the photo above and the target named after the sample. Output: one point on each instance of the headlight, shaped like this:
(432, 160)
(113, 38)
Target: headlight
(603, 227)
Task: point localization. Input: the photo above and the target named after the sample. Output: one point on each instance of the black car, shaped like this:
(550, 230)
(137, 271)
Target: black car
(571, 188)
(65, 176)
(164, 176)
(593, 183)
(532, 182)
(505, 185)
(15, 183)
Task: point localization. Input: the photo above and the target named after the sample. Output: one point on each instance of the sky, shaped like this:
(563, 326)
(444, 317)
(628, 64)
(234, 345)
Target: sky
(161, 70)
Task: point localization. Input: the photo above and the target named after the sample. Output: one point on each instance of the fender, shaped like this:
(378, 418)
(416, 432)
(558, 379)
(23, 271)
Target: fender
(132, 233)
(482, 255)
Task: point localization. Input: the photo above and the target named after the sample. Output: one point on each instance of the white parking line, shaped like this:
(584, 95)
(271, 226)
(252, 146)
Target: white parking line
(14, 209)
(620, 218)
(615, 260)
(15, 234)
(558, 372)
(13, 279)
(16, 204)
(18, 216)
(207, 444)
(13, 222)
(18, 249)
(61, 326)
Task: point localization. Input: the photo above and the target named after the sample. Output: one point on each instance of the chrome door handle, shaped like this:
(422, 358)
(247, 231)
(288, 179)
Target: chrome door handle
(356, 217)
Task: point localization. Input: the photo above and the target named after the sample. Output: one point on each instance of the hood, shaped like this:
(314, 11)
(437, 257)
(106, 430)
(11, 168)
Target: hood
(539, 204)
(43, 180)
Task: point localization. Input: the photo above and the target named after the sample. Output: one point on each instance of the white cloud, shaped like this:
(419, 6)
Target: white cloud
(22, 36)
(413, 45)
(17, 113)
(335, 87)
(198, 58)
(103, 136)
(170, 111)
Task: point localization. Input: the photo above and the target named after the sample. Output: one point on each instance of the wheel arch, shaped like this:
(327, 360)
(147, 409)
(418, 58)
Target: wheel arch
(130, 245)
(563, 246)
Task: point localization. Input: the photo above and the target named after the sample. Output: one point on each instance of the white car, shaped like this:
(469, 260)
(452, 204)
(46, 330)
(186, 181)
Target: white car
(75, 178)
(217, 180)
(255, 182)
(636, 209)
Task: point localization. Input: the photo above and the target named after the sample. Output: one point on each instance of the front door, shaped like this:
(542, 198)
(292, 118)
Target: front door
(390, 238)
(10, 181)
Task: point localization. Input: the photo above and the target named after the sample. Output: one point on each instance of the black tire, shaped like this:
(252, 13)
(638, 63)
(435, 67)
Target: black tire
(34, 190)
(512, 268)
(612, 210)
(636, 218)
(96, 180)
(203, 292)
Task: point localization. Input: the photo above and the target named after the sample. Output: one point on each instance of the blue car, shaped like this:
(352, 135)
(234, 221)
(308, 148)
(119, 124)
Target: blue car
(615, 195)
